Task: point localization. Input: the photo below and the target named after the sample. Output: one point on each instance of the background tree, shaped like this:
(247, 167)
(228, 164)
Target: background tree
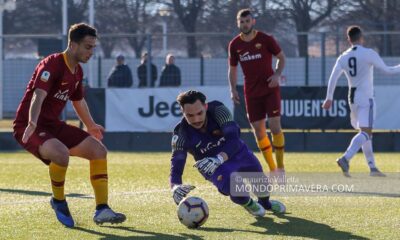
(305, 14)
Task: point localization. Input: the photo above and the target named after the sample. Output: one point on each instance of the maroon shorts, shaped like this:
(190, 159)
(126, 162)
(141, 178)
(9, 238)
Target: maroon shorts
(260, 107)
(69, 135)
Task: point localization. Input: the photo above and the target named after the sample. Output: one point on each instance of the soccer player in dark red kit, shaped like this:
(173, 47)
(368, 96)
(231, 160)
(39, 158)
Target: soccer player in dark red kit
(254, 50)
(38, 129)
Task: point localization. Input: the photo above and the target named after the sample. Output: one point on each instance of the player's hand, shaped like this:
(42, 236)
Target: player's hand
(96, 131)
(181, 191)
(29, 130)
(327, 104)
(235, 96)
(274, 80)
(208, 165)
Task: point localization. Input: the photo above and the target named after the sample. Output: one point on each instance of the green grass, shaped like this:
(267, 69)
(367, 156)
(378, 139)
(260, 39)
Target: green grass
(139, 188)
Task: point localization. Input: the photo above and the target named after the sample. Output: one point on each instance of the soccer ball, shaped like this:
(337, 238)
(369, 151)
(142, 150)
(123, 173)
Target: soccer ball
(192, 212)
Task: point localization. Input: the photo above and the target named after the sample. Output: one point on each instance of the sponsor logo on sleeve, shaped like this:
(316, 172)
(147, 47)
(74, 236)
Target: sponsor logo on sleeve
(45, 76)
(174, 140)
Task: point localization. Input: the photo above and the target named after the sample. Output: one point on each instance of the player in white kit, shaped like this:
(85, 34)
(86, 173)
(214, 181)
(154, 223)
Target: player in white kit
(358, 64)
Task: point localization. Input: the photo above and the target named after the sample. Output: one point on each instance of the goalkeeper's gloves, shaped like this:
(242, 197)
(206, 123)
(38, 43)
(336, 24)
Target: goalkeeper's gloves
(208, 165)
(180, 191)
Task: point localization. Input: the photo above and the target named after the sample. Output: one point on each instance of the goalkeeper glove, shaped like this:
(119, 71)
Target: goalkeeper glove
(180, 191)
(208, 165)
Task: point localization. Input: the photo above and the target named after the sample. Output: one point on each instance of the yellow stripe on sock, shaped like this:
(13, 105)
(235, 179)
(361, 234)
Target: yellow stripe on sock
(57, 176)
(278, 140)
(99, 180)
(266, 149)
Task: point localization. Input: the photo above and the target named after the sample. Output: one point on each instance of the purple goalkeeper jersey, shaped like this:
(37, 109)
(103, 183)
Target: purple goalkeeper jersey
(222, 135)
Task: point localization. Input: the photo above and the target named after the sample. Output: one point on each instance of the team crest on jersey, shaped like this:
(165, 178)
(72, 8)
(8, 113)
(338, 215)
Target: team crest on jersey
(45, 76)
(258, 45)
(42, 134)
(217, 132)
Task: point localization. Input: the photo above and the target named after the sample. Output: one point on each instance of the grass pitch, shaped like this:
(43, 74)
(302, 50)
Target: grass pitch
(139, 188)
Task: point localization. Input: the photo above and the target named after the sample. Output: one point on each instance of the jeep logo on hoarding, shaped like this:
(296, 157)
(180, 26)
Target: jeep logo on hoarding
(160, 109)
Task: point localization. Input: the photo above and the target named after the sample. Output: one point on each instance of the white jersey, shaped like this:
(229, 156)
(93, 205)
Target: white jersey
(358, 64)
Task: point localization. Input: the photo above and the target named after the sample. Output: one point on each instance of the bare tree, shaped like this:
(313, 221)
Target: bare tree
(188, 14)
(305, 14)
(376, 15)
(136, 20)
(42, 16)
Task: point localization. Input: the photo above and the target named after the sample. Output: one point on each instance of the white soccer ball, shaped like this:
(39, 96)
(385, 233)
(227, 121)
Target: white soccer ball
(192, 212)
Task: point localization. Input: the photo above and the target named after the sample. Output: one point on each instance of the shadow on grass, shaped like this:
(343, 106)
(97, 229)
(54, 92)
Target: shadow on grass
(373, 194)
(150, 235)
(292, 227)
(40, 193)
(299, 227)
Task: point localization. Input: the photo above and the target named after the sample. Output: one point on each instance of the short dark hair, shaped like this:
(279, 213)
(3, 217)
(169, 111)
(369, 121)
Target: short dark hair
(354, 33)
(190, 97)
(79, 31)
(244, 13)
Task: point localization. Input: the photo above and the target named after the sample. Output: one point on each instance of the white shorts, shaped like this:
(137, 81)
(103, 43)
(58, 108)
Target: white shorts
(363, 113)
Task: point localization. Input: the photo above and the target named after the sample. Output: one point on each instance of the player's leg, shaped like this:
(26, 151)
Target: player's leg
(263, 142)
(58, 154)
(273, 108)
(360, 119)
(278, 140)
(93, 150)
(260, 181)
(53, 153)
(367, 146)
(256, 114)
(229, 184)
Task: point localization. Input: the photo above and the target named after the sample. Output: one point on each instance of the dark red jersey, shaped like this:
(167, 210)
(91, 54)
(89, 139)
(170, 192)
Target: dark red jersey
(54, 76)
(255, 58)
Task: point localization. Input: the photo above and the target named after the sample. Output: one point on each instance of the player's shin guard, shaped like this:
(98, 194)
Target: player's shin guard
(99, 180)
(265, 147)
(355, 145)
(278, 141)
(369, 153)
(57, 177)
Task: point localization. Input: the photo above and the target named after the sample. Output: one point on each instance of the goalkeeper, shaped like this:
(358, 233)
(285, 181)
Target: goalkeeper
(208, 132)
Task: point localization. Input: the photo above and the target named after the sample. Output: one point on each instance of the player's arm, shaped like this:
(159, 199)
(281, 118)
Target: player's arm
(232, 73)
(380, 64)
(82, 110)
(280, 65)
(178, 162)
(34, 111)
(45, 75)
(336, 72)
(231, 132)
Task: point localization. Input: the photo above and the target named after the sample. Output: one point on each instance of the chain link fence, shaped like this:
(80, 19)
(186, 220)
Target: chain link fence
(201, 57)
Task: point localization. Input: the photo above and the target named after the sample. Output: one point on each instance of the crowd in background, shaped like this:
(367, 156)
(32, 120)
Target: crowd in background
(120, 75)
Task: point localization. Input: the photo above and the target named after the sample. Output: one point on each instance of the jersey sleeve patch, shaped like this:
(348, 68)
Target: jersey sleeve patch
(177, 142)
(45, 76)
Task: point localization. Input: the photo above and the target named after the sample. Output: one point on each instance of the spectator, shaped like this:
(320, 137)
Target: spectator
(142, 72)
(120, 75)
(170, 74)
